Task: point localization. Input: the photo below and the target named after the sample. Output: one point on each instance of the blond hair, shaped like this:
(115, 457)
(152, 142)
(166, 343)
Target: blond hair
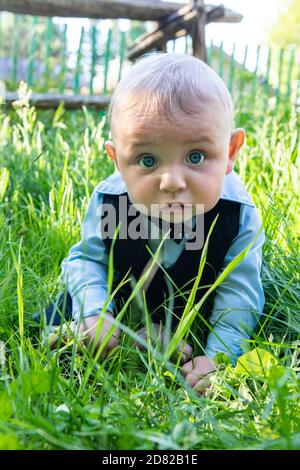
(161, 83)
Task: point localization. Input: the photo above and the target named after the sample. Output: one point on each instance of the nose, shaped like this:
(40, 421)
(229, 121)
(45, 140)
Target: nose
(172, 180)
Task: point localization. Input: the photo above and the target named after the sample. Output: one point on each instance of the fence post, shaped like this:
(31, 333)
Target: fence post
(48, 50)
(221, 60)
(78, 60)
(298, 81)
(93, 57)
(186, 45)
(0, 29)
(210, 54)
(281, 54)
(106, 60)
(241, 82)
(32, 51)
(266, 86)
(15, 48)
(231, 69)
(254, 83)
(62, 77)
(122, 53)
(289, 72)
(268, 70)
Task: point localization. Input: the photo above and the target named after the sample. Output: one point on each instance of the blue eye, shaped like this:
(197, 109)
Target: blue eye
(147, 161)
(195, 158)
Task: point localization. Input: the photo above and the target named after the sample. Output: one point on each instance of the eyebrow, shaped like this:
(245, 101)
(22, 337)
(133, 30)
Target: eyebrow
(137, 144)
(202, 139)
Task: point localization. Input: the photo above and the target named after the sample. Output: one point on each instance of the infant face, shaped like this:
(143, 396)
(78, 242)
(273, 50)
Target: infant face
(173, 167)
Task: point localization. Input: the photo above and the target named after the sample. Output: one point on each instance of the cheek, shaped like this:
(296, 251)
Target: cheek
(208, 187)
(140, 190)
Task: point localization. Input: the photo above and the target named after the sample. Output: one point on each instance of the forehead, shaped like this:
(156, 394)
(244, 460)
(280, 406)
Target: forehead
(209, 121)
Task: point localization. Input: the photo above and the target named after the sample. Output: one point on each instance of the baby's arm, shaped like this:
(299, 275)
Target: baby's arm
(238, 302)
(85, 275)
(240, 298)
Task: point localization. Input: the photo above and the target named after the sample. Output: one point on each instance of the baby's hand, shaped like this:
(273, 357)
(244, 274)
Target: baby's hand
(197, 373)
(88, 334)
(91, 337)
(187, 350)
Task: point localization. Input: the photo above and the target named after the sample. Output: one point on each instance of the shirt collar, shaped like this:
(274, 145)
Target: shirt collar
(114, 184)
(233, 188)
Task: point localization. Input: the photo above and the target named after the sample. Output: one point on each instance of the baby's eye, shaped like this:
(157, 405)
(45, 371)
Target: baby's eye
(195, 157)
(147, 161)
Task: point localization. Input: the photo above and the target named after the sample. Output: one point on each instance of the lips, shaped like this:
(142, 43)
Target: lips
(174, 205)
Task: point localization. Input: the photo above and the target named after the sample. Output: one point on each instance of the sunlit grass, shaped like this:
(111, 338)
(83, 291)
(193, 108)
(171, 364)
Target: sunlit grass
(63, 399)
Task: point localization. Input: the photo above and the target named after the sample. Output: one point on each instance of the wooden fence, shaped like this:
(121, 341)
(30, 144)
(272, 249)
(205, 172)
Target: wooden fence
(99, 60)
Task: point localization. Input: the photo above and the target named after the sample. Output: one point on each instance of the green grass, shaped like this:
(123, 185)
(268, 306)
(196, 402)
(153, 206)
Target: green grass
(63, 399)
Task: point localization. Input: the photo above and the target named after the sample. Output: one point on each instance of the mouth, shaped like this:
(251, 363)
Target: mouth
(176, 203)
(174, 206)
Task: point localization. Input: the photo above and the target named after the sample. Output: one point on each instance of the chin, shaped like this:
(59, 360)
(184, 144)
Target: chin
(178, 218)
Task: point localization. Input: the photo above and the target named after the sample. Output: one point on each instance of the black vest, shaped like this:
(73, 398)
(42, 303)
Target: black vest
(133, 255)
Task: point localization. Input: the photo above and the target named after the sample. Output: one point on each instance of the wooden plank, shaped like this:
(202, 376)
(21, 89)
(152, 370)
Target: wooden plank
(189, 19)
(198, 39)
(166, 30)
(221, 14)
(47, 101)
(142, 10)
(133, 9)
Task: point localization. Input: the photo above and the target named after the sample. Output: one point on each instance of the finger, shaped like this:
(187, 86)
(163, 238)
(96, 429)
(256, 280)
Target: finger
(77, 329)
(187, 368)
(156, 332)
(113, 340)
(143, 337)
(203, 385)
(97, 343)
(193, 378)
(187, 351)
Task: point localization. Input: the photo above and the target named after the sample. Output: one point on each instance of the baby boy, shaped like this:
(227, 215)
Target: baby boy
(174, 147)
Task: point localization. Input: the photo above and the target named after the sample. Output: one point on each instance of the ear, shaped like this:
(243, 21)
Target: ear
(236, 141)
(111, 151)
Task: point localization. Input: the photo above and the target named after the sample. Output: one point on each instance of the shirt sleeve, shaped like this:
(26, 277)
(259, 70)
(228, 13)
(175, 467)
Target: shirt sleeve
(85, 269)
(240, 299)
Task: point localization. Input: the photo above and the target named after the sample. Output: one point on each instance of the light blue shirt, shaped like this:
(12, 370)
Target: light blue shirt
(239, 300)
